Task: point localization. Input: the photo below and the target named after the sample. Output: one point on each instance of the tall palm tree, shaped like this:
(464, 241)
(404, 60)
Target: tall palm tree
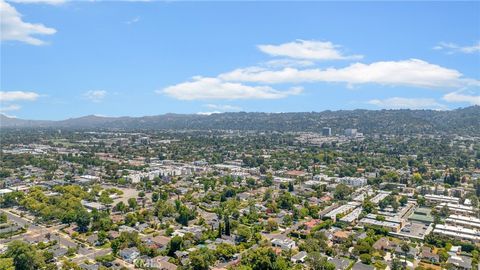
(405, 248)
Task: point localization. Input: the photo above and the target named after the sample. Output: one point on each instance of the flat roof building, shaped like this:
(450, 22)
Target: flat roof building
(458, 232)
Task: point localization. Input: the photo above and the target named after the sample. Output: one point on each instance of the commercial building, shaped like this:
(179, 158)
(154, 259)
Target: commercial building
(352, 216)
(380, 196)
(342, 210)
(457, 209)
(350, 132)
(458, 232)
(432, 198)
(464, 221)
(353, 181)
(326, 131)
(391, 224)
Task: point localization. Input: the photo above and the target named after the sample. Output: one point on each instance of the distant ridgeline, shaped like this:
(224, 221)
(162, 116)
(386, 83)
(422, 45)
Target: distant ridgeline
(465, 121)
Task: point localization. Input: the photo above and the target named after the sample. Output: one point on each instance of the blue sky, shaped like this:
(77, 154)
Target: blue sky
(62, 59)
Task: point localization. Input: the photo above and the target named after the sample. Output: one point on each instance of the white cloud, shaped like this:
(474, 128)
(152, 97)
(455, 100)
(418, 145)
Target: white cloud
(9, 108)
(18, 95)
(206, 88)
(49, 2)
(454, 48)
(280, 63)
(95, 95)
(307, 49)
(221, 107)
(208, 113)
(412, 72)
(407, 103)
(13, 28)
(134, 20)
(462, 98)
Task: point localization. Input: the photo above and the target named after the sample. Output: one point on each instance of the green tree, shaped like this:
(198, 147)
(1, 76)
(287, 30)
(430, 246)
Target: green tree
(132, 203)
(227, 225)
(342, 192)
(316, 261)
(3, 218)
(403, 200)
(405, 248)
(366, 258)
(268, 181)
(82, 219)
(201, 259)
(225, 251)
(262, 258)
(6, 264)
(244, 233)
(176, 243)
(25, 256)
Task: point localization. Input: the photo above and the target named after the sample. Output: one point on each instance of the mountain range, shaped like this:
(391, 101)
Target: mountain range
(463, 121)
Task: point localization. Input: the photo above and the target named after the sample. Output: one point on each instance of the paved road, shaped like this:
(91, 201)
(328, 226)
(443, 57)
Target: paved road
(55, 234)
(22, 221)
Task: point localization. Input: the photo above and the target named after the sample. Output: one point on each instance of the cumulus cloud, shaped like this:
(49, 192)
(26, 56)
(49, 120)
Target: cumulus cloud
(18, 95)
(208, 113)
(307, 49)
(207, 88)
(95, 95)
(48, 2)
(286, 62)
(15, 29)
(412, 72)
(407, 103)
(457, 97)
(12, 107)
(454, 48)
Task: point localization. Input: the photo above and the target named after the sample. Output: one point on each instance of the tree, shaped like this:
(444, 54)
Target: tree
(201, 259)
(394, 205)
(227, 225)
(132, 203)
(417, 178)
(3, 218)
(444, 212)
(25, 256)
(82, 219)
(341, 192)
(120, 206)
(405, 248)
(443, 255)
(316, 261)
(176, 243)
(102, 236)
(259, 259)
(155, 197)
(396, 264)
(403, 200)
(69, 265)
(366, 258)
(290, 187)
(268, 180)
(271, 225)
(6, 264)
(368, 206)
(225, 251)
(244, 233)
(286, 200)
